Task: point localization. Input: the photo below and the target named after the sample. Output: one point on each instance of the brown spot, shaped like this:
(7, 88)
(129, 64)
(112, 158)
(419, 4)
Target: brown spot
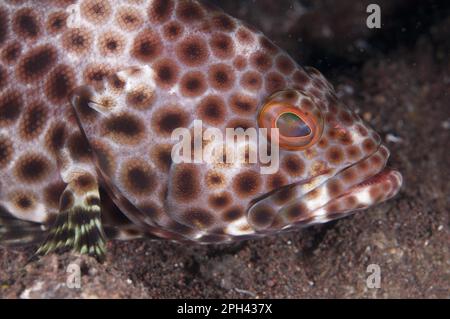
(240, 63)
(116, 83)
(124, 128)
(262, 216)
(198, 218)
(79, 147)
(169, 118)
(129, 18)
(351, 201)
(293, 165)
(193, 84)
(222, 46)
(24, 201)
(32, 168)
(323, 142)
(285, 64)
(353, 152)
(56, 22)
(215, 179)
(349, 175)
(219, 200)
(251, 81)
(160, 10)
(167, 72)
(283, 195)
(192, 51)
(33, 121)
(376, 160)
(141, 98)
(212, 110)
(189, 12)
(247, 183)
(4, 23)
(173, 30)
(334, 155)
(147, 46)
(345, 138)
(11, 105)
(243, 104)
(244, 36)
(301, 78)
(111, 43)
(297, 212)
(162, 156)
(362, 130)
(267, 45)
(95, 74)
(334, 188)
(60, 83)
(52, 194)
(375, 193)
(233, 214)
(6, 151)
(186, 186)
(36, 63)
(25, 23)
(221, 77)
(224, 23)
(84, 183)
(276, 181)
(77, 40)
(261, 61)
(138, 177)
(274, 82)
(96, 11)
(55, 138)
(11, 52)
(368, 146)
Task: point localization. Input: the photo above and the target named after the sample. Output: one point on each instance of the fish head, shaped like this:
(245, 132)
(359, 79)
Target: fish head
(158, 126)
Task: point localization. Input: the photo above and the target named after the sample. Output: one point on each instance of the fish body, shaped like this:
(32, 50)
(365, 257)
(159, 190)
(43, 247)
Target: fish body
(91, 92)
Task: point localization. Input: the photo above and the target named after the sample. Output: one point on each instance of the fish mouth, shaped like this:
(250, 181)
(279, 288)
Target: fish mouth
(356, 187)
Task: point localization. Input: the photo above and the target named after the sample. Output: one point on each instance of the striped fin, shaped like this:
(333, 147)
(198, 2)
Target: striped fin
(78, 226)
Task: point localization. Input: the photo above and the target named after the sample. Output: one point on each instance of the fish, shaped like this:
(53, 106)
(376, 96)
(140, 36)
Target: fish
(92, 93)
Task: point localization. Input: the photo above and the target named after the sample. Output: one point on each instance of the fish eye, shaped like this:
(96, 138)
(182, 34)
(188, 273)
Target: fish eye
(295, 115)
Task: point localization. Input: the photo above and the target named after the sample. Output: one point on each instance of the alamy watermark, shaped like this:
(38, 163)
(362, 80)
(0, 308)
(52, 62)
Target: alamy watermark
(374, 279)
(237, 147)
(373, 21)
(73, 280)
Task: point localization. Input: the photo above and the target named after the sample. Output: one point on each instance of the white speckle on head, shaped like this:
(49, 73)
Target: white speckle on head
(236, 228)
(134, 78)
(364, 197)
(321, 199)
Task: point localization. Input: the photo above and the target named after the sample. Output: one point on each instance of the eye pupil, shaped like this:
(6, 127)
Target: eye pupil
(291, 125)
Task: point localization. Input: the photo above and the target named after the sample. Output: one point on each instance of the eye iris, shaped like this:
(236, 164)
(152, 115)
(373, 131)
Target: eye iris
(298, 119)
(291, 125)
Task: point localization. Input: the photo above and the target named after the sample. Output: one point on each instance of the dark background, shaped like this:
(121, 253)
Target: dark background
(398, 79)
